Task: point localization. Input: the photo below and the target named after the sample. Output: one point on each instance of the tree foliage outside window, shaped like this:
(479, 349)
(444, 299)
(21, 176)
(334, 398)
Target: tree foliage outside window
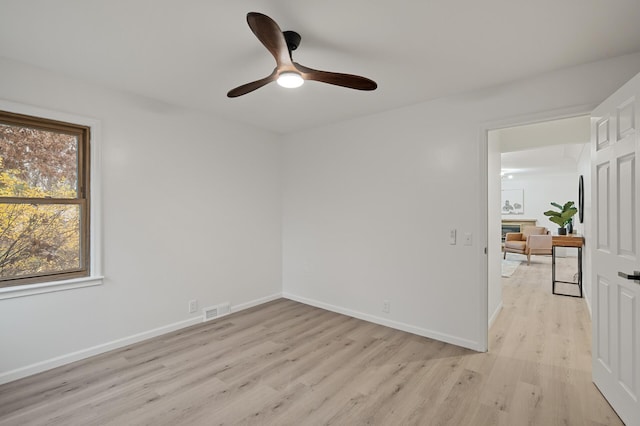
(44, 186)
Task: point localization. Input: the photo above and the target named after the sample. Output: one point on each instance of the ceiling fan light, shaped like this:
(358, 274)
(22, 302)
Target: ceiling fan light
(290, 80)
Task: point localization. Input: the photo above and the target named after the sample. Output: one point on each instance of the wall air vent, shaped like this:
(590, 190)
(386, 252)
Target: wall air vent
(216, 311)
(209, 313)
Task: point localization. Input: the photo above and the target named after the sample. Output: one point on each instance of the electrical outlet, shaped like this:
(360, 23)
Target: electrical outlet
(467, 239)
(193, 306)
(386, 306)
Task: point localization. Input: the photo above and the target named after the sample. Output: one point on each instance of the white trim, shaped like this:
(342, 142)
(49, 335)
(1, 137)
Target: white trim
(48, 364)
(256, 302)
(48, 287)
(520, 120)
(58, 361)
(494, 316)
(483, 247)
(538, 117)
(587, 300)
(443, 337)
(95, 244)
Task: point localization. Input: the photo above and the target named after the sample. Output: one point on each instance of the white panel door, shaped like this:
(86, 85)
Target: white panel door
(615, 149)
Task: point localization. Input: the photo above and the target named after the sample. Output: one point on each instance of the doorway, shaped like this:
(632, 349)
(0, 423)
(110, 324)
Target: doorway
(537, 163)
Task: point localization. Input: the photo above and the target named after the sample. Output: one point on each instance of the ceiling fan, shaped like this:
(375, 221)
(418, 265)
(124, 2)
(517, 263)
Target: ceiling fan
(287, 72)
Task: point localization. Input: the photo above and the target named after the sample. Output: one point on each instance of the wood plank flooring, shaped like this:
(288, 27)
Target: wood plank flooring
(284, 363)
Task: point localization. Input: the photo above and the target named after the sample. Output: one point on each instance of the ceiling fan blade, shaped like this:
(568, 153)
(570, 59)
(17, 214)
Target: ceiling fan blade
(345, 80)
(270, 34)
(250, 87)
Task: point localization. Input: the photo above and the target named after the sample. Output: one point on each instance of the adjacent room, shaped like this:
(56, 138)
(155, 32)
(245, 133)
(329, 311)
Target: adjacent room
(189, 235)
(540, 164)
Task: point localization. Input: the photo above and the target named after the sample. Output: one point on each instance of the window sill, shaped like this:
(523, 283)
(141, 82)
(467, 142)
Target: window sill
(33, 289)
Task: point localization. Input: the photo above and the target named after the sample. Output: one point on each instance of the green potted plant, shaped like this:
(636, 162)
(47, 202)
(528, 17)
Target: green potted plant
(563, 217)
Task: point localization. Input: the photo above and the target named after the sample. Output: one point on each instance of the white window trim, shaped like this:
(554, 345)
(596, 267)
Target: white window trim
(95, 243)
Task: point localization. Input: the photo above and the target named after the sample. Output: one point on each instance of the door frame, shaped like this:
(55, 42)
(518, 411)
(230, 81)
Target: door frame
(483, 191)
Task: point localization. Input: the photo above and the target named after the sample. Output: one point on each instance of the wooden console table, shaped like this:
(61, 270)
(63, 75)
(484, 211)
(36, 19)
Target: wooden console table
(571, 240)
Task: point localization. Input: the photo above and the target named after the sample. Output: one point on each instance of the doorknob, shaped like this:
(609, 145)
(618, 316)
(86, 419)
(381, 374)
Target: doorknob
(635, 276)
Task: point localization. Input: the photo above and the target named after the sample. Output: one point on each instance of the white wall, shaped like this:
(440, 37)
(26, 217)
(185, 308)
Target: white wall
(191, 210)
(540, 189)
(368, 203)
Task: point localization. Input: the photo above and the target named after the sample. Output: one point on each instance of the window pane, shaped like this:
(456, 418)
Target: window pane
(38, 239)
(37, 163)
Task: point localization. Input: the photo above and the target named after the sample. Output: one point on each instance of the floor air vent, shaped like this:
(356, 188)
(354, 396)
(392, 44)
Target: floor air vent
(216, 311)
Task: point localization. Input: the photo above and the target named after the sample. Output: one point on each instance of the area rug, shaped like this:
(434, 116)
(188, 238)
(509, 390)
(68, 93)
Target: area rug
(509, 267)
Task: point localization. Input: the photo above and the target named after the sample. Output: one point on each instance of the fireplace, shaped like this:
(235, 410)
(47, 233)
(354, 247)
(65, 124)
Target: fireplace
(513, 225)
(509, 228)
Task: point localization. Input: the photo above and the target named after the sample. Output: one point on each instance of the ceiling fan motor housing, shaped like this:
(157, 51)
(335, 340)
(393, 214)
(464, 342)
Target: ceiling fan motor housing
(293, 39)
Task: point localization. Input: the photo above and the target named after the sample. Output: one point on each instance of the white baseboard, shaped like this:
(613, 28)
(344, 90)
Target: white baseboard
(443, 337)
(58, 361)
(586, 299)
(495, 314)
(256, 302)
(38, 367)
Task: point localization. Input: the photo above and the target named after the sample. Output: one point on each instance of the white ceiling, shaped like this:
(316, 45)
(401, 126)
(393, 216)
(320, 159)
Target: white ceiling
(547, 160)
(191, 52)
(547, 147)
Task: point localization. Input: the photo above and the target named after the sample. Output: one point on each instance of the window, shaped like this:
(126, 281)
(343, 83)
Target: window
(44, 200)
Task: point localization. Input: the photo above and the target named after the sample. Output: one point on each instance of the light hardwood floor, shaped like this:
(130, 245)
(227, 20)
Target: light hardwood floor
(284, 363)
